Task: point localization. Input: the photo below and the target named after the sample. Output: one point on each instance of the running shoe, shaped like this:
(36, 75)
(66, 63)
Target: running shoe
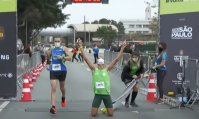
(63, 104)
(52, 110)
(126, 104)
(160, 102)
(133, 104)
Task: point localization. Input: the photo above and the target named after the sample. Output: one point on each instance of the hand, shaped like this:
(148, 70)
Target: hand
(47, 67)
(154, 67)
(134, 76)
(124, 44)
(59, 57)
(79, 42)
(141, 76)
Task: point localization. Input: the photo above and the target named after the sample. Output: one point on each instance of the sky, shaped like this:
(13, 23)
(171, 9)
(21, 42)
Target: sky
(116, 10)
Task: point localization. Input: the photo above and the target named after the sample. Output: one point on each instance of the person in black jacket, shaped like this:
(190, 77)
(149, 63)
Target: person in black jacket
(132, 70)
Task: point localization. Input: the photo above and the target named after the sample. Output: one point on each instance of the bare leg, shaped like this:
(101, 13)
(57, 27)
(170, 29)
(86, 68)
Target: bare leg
(94, 111)
(53, 91)
(62, 88)
(110, 111)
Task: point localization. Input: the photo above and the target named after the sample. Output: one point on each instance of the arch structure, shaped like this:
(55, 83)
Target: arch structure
(57, 32)
(89, 27)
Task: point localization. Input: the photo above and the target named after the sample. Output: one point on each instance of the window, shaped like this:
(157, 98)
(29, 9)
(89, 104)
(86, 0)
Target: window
(138, 31)
(131, 26)
(145, 31)
(131, 32)
(145, 26)
(138, 26)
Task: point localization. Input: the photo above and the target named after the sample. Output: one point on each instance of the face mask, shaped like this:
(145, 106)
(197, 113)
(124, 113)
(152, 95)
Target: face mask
(135, 59)
(160, 49)
(57, 44)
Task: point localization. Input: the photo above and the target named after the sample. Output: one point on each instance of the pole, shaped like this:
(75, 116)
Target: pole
(26, 33)
(89, 38)
(84, 30)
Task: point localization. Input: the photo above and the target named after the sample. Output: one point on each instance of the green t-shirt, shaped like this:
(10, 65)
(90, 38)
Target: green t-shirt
(101, 82)
(134, 69)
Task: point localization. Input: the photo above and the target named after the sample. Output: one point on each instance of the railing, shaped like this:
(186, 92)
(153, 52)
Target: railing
(191, 73)
(147, 58)
(25, 64)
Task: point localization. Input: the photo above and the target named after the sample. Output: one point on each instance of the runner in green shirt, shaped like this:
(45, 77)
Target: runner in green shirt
(101, 81)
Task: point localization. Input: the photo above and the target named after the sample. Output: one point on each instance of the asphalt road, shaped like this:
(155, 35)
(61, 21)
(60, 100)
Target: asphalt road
(79, 95)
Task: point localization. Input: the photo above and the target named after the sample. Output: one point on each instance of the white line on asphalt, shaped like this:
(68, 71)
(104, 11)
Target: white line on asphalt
(88, 69)
(3, 105)
(82, 63)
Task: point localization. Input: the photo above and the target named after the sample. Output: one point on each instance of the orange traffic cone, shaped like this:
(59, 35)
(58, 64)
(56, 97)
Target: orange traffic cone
(26, 94)
(37, 69)
(151, 95)
(30, 82)
(34, 75)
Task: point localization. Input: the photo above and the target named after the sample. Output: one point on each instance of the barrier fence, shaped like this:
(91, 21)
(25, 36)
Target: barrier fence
(191, 84)
(25, 64)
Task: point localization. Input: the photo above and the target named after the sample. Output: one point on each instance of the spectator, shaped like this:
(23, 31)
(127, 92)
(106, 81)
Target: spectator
(133, 49)
(95, 51)
(114, 47)
(40, 48)
(107, 48)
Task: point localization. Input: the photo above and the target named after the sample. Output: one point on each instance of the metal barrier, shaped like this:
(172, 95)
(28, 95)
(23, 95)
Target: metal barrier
(25, 64)
(110, 56)
(191, 74)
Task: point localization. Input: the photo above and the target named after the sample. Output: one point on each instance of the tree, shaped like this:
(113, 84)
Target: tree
(119, 25)
(95, 22)
(86, 22)
(39, 14)
(107, 33)
(154, 24)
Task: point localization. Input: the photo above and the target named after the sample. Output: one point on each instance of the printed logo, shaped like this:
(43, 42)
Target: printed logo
(4, 57)
(6, 75)
(173, 1)
(2, 33)
(182, 33)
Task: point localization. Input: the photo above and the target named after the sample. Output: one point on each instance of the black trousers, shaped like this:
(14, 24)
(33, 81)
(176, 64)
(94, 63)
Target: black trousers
(74, 57)
(80, 57)
(42, 59)
(95, 57)
(160, 79)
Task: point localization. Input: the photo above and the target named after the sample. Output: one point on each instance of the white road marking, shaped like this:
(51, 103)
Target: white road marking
(82, 63)
(135, 111)
(3, 105)
(88, 69)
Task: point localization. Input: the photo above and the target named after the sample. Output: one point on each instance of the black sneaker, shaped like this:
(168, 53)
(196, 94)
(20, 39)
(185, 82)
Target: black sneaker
(133, 104)
(126, 104)
(52, 110)
(160, 102)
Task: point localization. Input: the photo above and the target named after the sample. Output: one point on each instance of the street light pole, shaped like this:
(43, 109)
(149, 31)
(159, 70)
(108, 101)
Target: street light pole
(84, 29)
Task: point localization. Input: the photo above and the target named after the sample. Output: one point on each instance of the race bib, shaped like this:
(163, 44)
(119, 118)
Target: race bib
(99, 85)
(56, 67)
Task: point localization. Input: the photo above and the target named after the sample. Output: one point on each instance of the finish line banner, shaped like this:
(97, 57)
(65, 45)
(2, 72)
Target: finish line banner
(8, 50)
(179, 28)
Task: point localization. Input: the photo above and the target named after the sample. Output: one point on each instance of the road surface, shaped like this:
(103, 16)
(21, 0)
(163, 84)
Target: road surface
(79, 95)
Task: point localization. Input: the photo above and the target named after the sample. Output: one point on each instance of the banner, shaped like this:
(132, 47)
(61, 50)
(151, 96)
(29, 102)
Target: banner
(179, 28)
(8, 53)
(178, 6)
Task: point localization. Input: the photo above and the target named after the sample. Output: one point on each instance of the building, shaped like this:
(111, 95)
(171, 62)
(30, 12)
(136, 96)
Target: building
(138, 25)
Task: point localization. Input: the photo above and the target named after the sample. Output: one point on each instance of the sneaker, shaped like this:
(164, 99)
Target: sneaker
(133, 104)
(63, 104)
(126, 104)
(52, 110)
(160, 102)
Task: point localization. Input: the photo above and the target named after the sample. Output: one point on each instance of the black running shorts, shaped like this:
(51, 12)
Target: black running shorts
(98, 99)
(59, 75)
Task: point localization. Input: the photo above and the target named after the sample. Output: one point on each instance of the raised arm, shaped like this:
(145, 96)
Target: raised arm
(111, 65)
(89, 63)
(67, 52)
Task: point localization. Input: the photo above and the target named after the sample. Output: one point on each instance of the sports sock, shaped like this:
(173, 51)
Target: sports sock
(63, 99)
